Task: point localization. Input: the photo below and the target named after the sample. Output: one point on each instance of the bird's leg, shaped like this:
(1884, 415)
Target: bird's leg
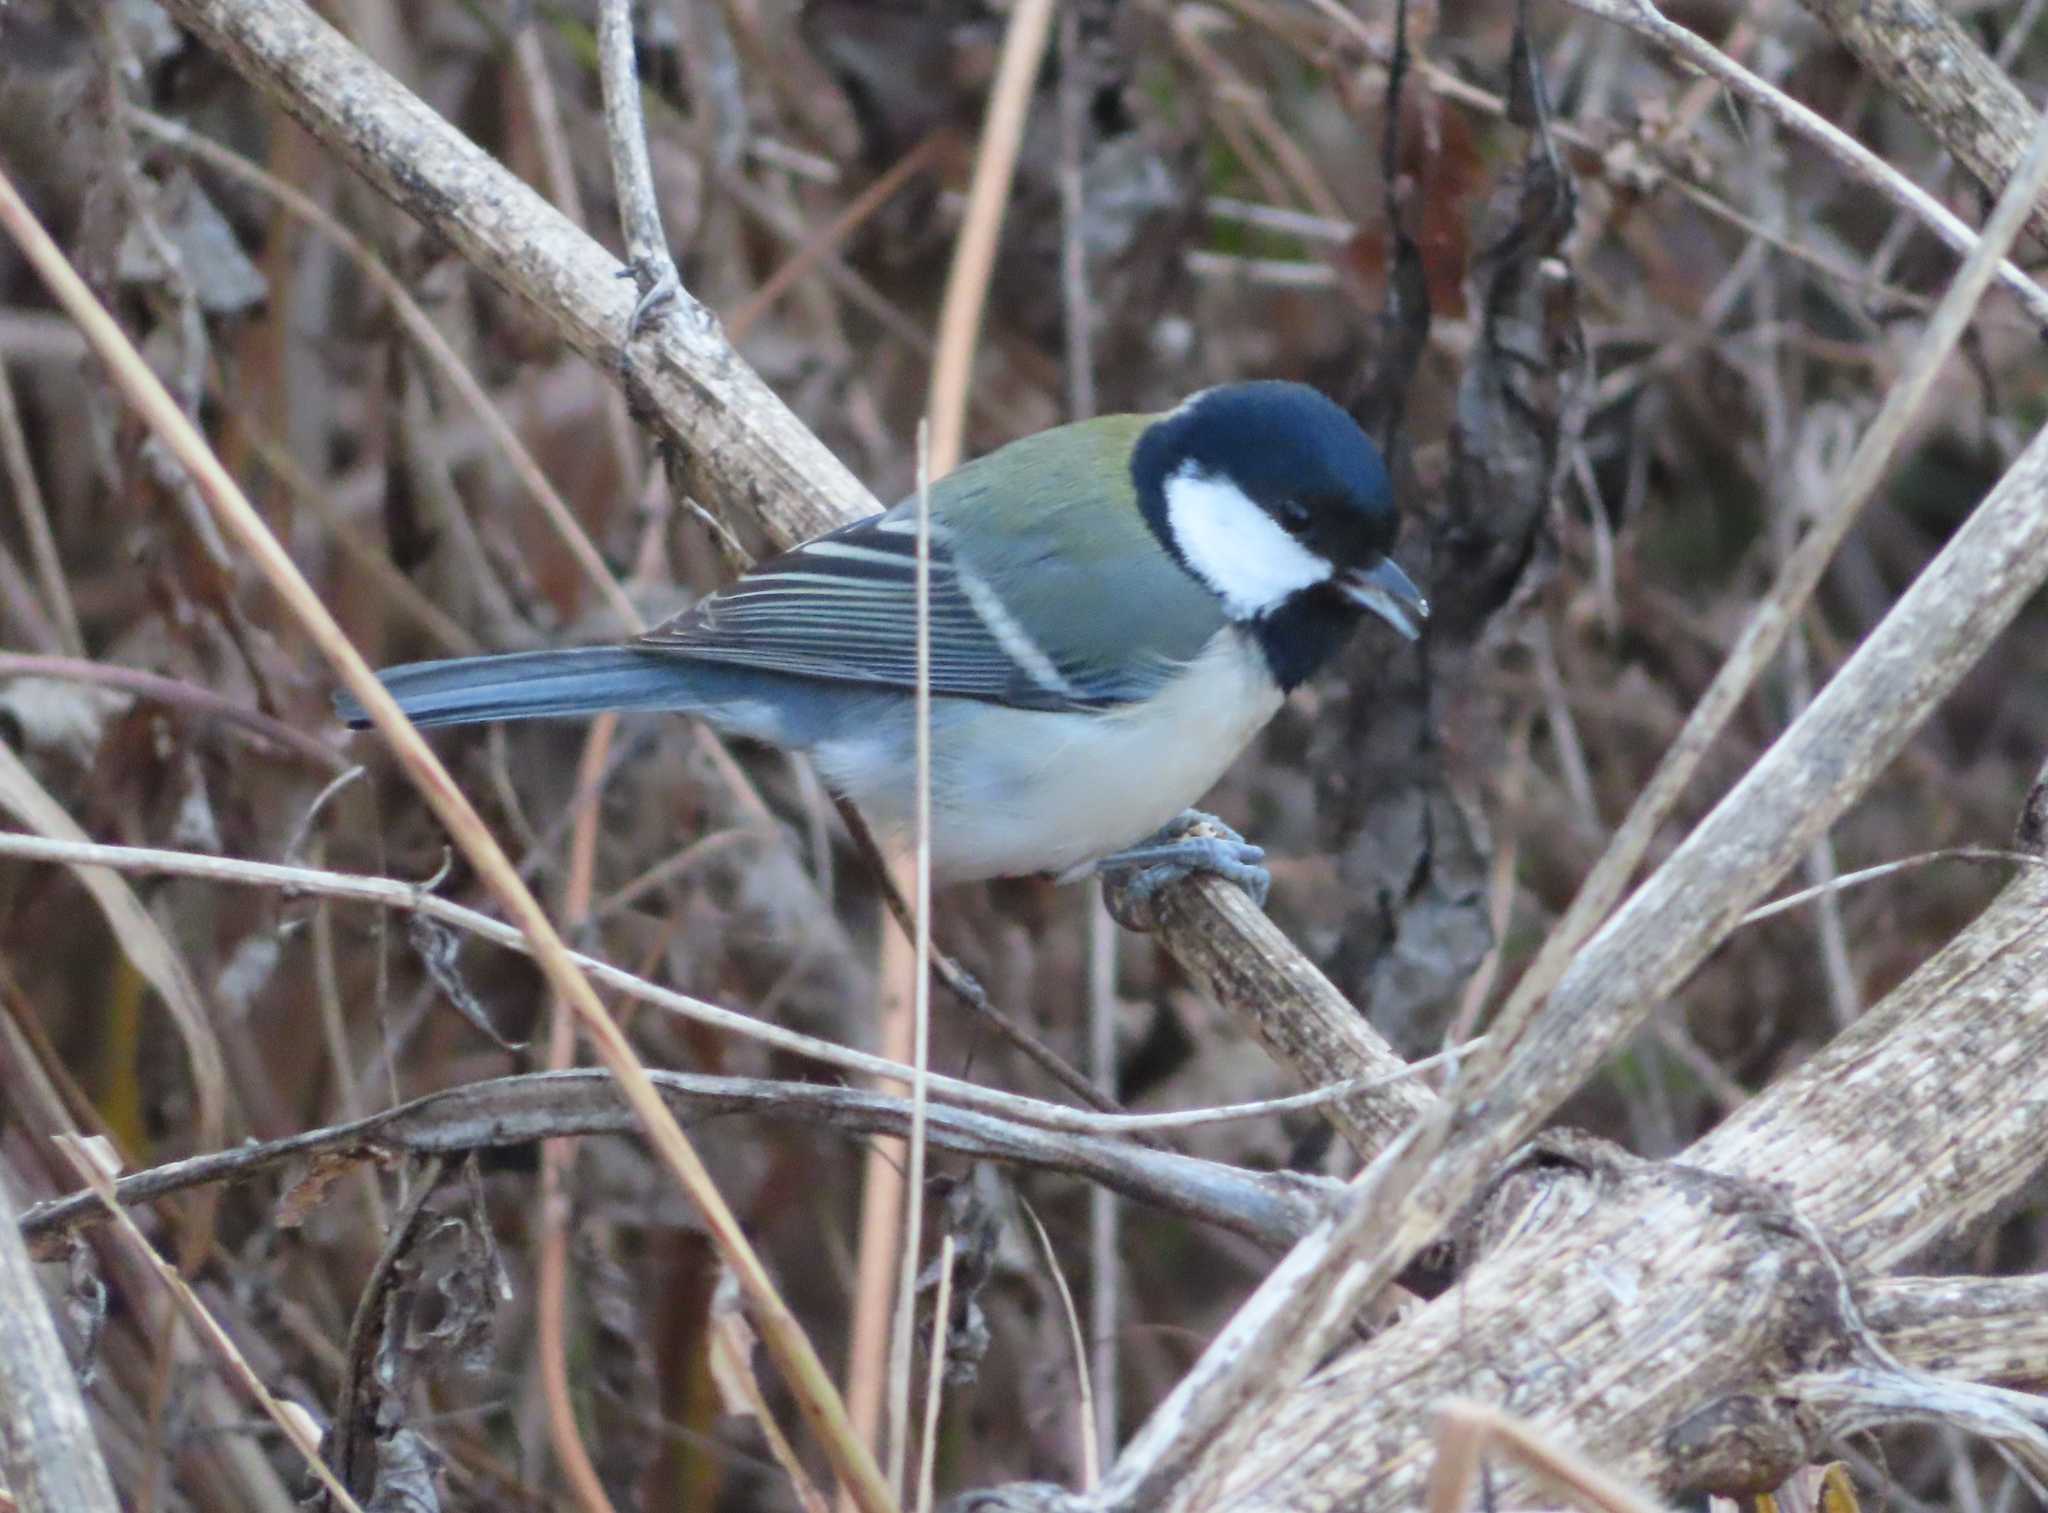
(1195, 842)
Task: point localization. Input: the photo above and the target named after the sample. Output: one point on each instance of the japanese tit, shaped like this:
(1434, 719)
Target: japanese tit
(1116, 608)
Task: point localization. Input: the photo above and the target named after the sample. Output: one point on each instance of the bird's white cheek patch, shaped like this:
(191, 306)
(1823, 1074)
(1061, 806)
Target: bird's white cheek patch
(1235, 547)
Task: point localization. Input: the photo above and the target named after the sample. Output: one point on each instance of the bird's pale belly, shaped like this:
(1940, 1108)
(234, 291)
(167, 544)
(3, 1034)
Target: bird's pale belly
(1019, 791)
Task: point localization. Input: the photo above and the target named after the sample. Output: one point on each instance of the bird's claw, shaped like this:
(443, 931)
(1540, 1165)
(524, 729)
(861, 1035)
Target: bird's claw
(1195, 842)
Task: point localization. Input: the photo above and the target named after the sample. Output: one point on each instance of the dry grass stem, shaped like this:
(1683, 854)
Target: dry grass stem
(1025, 36)
(935, 1375)
(901, 1342)
(1084, 1417)
(35, 520)
(1469, 1430)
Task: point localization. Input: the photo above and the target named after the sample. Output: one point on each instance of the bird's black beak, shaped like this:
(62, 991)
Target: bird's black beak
(1389, 593)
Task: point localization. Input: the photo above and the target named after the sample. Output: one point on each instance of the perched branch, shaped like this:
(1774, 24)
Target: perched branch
(1240, 956)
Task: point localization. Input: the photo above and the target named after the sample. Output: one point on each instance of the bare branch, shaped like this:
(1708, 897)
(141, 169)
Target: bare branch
(1272, 1208)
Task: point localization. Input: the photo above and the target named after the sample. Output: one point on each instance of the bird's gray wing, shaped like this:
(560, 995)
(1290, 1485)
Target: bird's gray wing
(1107, 629)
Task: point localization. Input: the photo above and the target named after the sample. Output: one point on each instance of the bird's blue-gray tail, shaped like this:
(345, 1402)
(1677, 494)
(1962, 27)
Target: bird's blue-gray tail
(530, 684)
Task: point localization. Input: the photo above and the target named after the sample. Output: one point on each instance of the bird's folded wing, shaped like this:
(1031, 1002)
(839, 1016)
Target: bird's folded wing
(844, 607)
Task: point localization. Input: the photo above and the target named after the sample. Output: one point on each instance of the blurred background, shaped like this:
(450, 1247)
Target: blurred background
(1727, 311)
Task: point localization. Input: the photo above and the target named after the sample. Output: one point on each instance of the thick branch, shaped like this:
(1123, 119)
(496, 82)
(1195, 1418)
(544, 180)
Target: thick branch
(1983, 1329)
(745, 449)
(1820, 766)
(1706, 1286)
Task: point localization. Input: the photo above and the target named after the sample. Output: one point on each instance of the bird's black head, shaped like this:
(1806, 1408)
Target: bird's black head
(1273, 498)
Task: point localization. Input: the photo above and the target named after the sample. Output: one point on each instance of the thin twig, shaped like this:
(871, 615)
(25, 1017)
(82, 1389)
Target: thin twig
(175, 693)
(405, 897)
(1270, 1208)
(1841, 882)
(1091, 1449)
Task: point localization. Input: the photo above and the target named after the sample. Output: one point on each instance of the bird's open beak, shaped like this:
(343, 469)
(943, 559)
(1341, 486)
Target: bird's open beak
(1389, 593)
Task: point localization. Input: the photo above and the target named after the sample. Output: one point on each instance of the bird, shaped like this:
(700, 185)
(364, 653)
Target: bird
(1116, 607)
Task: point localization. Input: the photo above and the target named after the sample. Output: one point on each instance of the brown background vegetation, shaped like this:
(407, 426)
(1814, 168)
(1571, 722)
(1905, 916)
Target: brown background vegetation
(1745, 307)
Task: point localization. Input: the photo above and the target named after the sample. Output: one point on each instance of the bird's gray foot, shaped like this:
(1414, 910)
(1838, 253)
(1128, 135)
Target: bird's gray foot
(1195, 842)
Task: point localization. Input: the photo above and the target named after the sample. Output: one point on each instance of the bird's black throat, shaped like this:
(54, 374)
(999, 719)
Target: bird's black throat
(1305, 632)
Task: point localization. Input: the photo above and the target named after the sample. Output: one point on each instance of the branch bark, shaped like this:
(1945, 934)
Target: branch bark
(1923, 55)
(49, 1459)
(1227, 944)
(1983, 1329)
(1707, 1283)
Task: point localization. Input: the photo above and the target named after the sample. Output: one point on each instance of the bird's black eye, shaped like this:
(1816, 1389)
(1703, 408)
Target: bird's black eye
(1294, 514)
